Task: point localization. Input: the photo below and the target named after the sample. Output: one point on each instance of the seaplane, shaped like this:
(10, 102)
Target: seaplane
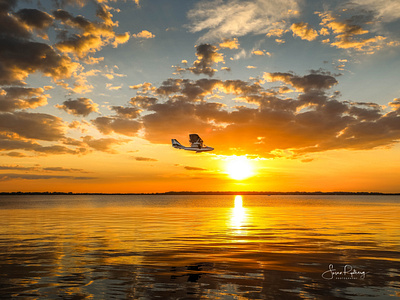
(196, 144)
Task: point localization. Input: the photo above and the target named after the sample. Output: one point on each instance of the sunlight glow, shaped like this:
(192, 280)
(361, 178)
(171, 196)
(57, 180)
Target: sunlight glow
(239, 168)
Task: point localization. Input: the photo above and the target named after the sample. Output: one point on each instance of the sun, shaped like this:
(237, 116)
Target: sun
(239, 167)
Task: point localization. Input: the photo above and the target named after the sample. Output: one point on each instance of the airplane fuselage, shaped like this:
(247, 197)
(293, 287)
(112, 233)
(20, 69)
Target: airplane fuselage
(203, 149)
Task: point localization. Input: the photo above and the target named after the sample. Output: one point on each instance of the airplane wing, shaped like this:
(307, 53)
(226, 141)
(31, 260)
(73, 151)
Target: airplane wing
(194, 138)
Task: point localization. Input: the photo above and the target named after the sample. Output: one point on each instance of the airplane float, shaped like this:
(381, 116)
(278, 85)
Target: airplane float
(196, 144)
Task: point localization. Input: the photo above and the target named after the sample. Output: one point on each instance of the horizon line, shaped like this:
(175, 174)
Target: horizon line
(204, 193)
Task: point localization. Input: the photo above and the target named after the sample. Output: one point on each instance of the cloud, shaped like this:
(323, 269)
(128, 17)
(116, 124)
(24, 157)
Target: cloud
(13, 176)
(386, 10)
(38, 168)
(143, 101)
(303, 83)
(121, 39)
(79, 107)
(313, 121)
(139, 158)
(33, 125)
(16, 167)
(14, 154)
(352, 33)
(233, 18)
(395, 104)
(62, 169)
(19, 58)
(190, 90)
(194, 168)
(304, 31)
(126, 112)
(230, 43)
(144, 87)
(110, 87)
(83, 24)
(20, 55)
(91, 36)
(10, 141)
(207, 56)
(260, 52)
(35, 20)
(124, 126)
(81, 45)
(59, 149)
(103, 144)
(14, 98)
(278, 32)
(144, 34)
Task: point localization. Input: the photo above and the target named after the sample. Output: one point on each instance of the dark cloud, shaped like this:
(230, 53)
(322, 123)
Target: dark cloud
(104, 145)
(66, 17)
(14, 154)
(38, 168)
(12, 176)
(58, 150)
(170, 118)
(139, 158)
(10, 26)
(81, 106)
(168, 87)
(6, 5)
(16, 167)
(240, 87)
(207, 56)
(194, 168)
(191, 90)
(92, 36)
(62, 169)
(33, 125)
(35, 18)
(107, 125)
(13, 98)
(9, 142)
(127, 112)
(19, 58)
(303, 83)
(21, 55)
(12, 144)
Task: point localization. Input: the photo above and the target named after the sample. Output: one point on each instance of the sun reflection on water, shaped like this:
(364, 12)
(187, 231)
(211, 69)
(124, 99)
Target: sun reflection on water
(238, 213)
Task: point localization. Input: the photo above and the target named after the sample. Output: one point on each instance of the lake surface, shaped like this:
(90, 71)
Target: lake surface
(199, 247)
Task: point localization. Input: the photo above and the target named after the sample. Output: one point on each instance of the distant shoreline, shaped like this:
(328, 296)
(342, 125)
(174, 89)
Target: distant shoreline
(208, 193)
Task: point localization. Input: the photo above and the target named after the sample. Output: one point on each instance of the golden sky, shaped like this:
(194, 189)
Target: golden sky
(302, 96)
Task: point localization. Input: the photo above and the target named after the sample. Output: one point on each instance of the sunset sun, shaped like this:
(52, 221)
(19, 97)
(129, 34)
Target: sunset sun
(239, 168)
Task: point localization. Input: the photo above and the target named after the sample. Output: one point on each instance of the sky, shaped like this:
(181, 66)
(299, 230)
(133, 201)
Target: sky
(294, 95)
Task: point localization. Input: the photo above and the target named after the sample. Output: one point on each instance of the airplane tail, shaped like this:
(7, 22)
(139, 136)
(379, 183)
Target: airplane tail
(176, 144)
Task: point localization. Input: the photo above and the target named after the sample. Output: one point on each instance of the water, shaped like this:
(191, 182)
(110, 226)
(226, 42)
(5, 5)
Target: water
(199, 247)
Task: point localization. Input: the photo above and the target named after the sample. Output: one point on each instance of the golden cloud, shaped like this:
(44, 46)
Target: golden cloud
(144, 34)
(230, 43)
(304, 31)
